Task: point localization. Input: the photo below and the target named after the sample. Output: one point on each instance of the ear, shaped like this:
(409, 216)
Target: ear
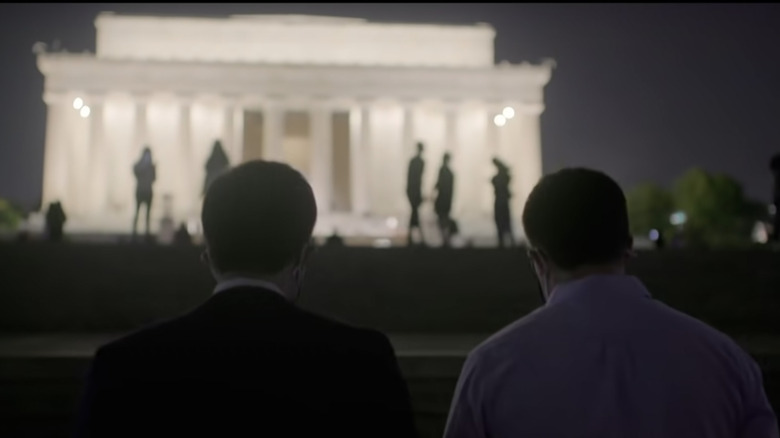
(630, 252)
(537, 256)
(306, 252)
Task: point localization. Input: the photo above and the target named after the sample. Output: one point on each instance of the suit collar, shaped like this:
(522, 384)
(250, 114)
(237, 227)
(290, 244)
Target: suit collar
(599, 285)
(228, 282)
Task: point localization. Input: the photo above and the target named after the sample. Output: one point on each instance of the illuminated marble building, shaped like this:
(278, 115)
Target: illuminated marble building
(343, 100)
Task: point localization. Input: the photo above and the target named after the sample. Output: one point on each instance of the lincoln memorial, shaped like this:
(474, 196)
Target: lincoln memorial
(343, 100)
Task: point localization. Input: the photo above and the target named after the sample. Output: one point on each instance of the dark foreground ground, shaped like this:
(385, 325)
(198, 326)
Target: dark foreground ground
(41, 375)
(59, 302)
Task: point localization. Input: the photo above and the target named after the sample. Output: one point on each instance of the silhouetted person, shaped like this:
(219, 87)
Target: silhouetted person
(602, 358)
(443, 203)
(167, 230)
(249, 361)
(55, 221)
(414, 192)
(145, 174)
(23, 236)
(774, 166)
(182, 236)
(660, 242)
(334, 239)
(501, 211)
(217, 164)
(678, 239)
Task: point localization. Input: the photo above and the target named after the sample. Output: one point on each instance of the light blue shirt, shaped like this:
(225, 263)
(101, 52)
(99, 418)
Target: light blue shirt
(234, 281)
(603, 359)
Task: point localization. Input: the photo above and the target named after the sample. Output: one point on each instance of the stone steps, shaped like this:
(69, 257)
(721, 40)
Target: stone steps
(41, 378)
(38, 396)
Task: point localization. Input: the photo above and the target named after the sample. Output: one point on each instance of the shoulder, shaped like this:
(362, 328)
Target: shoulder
(140, 340)
(522, 332)
(357, 338)
(721, 344)
(512, 343)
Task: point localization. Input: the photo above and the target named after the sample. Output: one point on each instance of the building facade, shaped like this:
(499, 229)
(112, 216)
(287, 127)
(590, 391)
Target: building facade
(342, 100)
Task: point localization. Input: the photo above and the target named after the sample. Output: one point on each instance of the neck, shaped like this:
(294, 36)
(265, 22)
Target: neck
(285, 287)
(588, 270)
(271, 278)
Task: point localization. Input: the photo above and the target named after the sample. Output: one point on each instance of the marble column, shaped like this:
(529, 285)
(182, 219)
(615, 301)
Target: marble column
(451, 129)
(188, 189)
(322, 156)
(227, 133)
(141, 122)
(359, 163)
(273, 132)
(238, 135)
(451, 145)
(493, 139)
(409, 146)
(113, 158)
(55, 159)
(78, 130)
(98, 159)
(141, 127)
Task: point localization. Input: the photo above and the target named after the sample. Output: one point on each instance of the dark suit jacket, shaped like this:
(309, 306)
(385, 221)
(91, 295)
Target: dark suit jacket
(247, 363)
(414, 180)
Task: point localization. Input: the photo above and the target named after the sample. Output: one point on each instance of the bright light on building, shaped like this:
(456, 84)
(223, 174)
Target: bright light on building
(382, 243)
(78, 103)
(193, 226)
(678, 218)
(84, 112)
(499, 120)
(508, 112)
(760, 233)
(654, 234)
(392, 223)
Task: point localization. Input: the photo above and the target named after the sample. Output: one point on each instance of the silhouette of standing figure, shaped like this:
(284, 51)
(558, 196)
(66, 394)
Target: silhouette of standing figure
(774, 166)
(182, 236)
(55, 220)
(414, 191)
(216, 164)
(502, 215)
(145, 175)
(443, 204)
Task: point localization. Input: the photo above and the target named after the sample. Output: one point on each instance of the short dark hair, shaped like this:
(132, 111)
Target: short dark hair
(577, 217)
(774, 163)
(258, 217)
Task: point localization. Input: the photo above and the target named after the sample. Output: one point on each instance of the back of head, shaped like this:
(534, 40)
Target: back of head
(420, 147)
(578, 217)
(774, 163)
(258, 217)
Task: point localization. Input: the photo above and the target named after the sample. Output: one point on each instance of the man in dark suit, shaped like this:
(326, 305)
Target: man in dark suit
(774, 166)
(414, 193)
(248, 362)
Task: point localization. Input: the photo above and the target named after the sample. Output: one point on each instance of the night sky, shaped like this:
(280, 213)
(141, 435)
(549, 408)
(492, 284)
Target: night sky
(642, 92)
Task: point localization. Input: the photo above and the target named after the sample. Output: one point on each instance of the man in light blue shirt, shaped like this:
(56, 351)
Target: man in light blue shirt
(601, 358)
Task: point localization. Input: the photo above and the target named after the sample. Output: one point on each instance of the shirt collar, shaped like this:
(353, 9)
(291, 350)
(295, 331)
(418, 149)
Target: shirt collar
(233, 281)
(626, 285)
